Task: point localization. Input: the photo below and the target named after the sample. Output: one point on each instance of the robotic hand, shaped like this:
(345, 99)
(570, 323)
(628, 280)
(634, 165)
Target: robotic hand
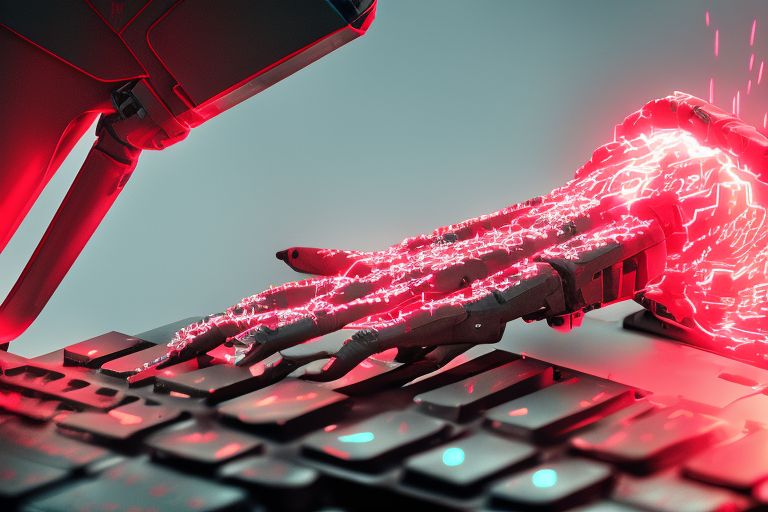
(671, 213)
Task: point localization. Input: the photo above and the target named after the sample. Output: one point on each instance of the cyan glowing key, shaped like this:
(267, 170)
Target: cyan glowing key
(544, 478)
(453, 456)
(360, 437)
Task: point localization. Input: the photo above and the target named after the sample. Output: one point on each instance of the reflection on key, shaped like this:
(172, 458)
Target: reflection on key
(739, 465)
(286, 407)
(121, 423)
(216, 382)
(669, 494)
(550, 413)
(554, 486)
(371, 444)
(201, 444)
(653, 441)
(463, 466)
(460, 400)
(96, 351)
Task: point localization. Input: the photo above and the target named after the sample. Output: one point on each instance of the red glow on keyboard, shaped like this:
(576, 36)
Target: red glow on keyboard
(199, 437)
(228, 450)
(125, 418)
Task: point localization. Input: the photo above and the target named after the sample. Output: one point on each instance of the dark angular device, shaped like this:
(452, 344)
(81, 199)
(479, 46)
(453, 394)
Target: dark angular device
(152, 70)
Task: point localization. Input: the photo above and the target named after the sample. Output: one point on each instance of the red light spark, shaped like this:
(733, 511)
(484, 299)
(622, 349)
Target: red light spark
(752, 34)
(706, 18)
(717, 42)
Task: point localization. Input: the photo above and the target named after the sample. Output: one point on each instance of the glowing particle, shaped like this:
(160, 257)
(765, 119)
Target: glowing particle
(706, 18)
(544, 478)
(751, 61)
(360, 437)
(760, 72)
(752, 34)
(453, 456)
(711, 90)
(717, 42)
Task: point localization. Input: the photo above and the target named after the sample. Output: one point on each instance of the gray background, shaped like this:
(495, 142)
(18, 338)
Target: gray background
(445, 110)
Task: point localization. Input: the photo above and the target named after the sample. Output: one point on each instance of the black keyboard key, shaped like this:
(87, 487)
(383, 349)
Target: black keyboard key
(280, 484)
(653, 441)
(669, 494)
(461, 400)
(739, 465)
(20, 477)
(286, 407)
(372, 443)
(216, 383)
(128, 365)
(554, 486)
(551, 412)
(138, 485)
(465, 465)
(121, 423)
(60, 384)
(201, 444)
(43, 444)
(96, 351)
(39, 409)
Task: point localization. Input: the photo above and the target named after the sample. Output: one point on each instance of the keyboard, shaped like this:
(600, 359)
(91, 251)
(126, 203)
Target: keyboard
(598, 420)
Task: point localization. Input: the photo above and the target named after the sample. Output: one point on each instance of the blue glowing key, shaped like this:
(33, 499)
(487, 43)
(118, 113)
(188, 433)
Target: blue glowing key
(359, 437)
(544, 478)
(558, 485)
(467, 464)
(453, 456)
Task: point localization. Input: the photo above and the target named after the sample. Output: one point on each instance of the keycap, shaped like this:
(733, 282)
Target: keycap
(551, 412)
(372, 443)
(127, 365)
(279, 484)
(198, 443)
(94, 352)
(121, 423)
(463, 466)
(63, 385)
(42, 444)
(285, 408)
(667, 493)
(139, 485)
(554, 486)
(461, 400)
(20, 477)
(34, 408)
(739, 465)
(215, 383)
(653, 441)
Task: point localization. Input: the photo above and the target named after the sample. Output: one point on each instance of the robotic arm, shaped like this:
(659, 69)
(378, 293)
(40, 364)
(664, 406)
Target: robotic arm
(671, 213)
(150, 71)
